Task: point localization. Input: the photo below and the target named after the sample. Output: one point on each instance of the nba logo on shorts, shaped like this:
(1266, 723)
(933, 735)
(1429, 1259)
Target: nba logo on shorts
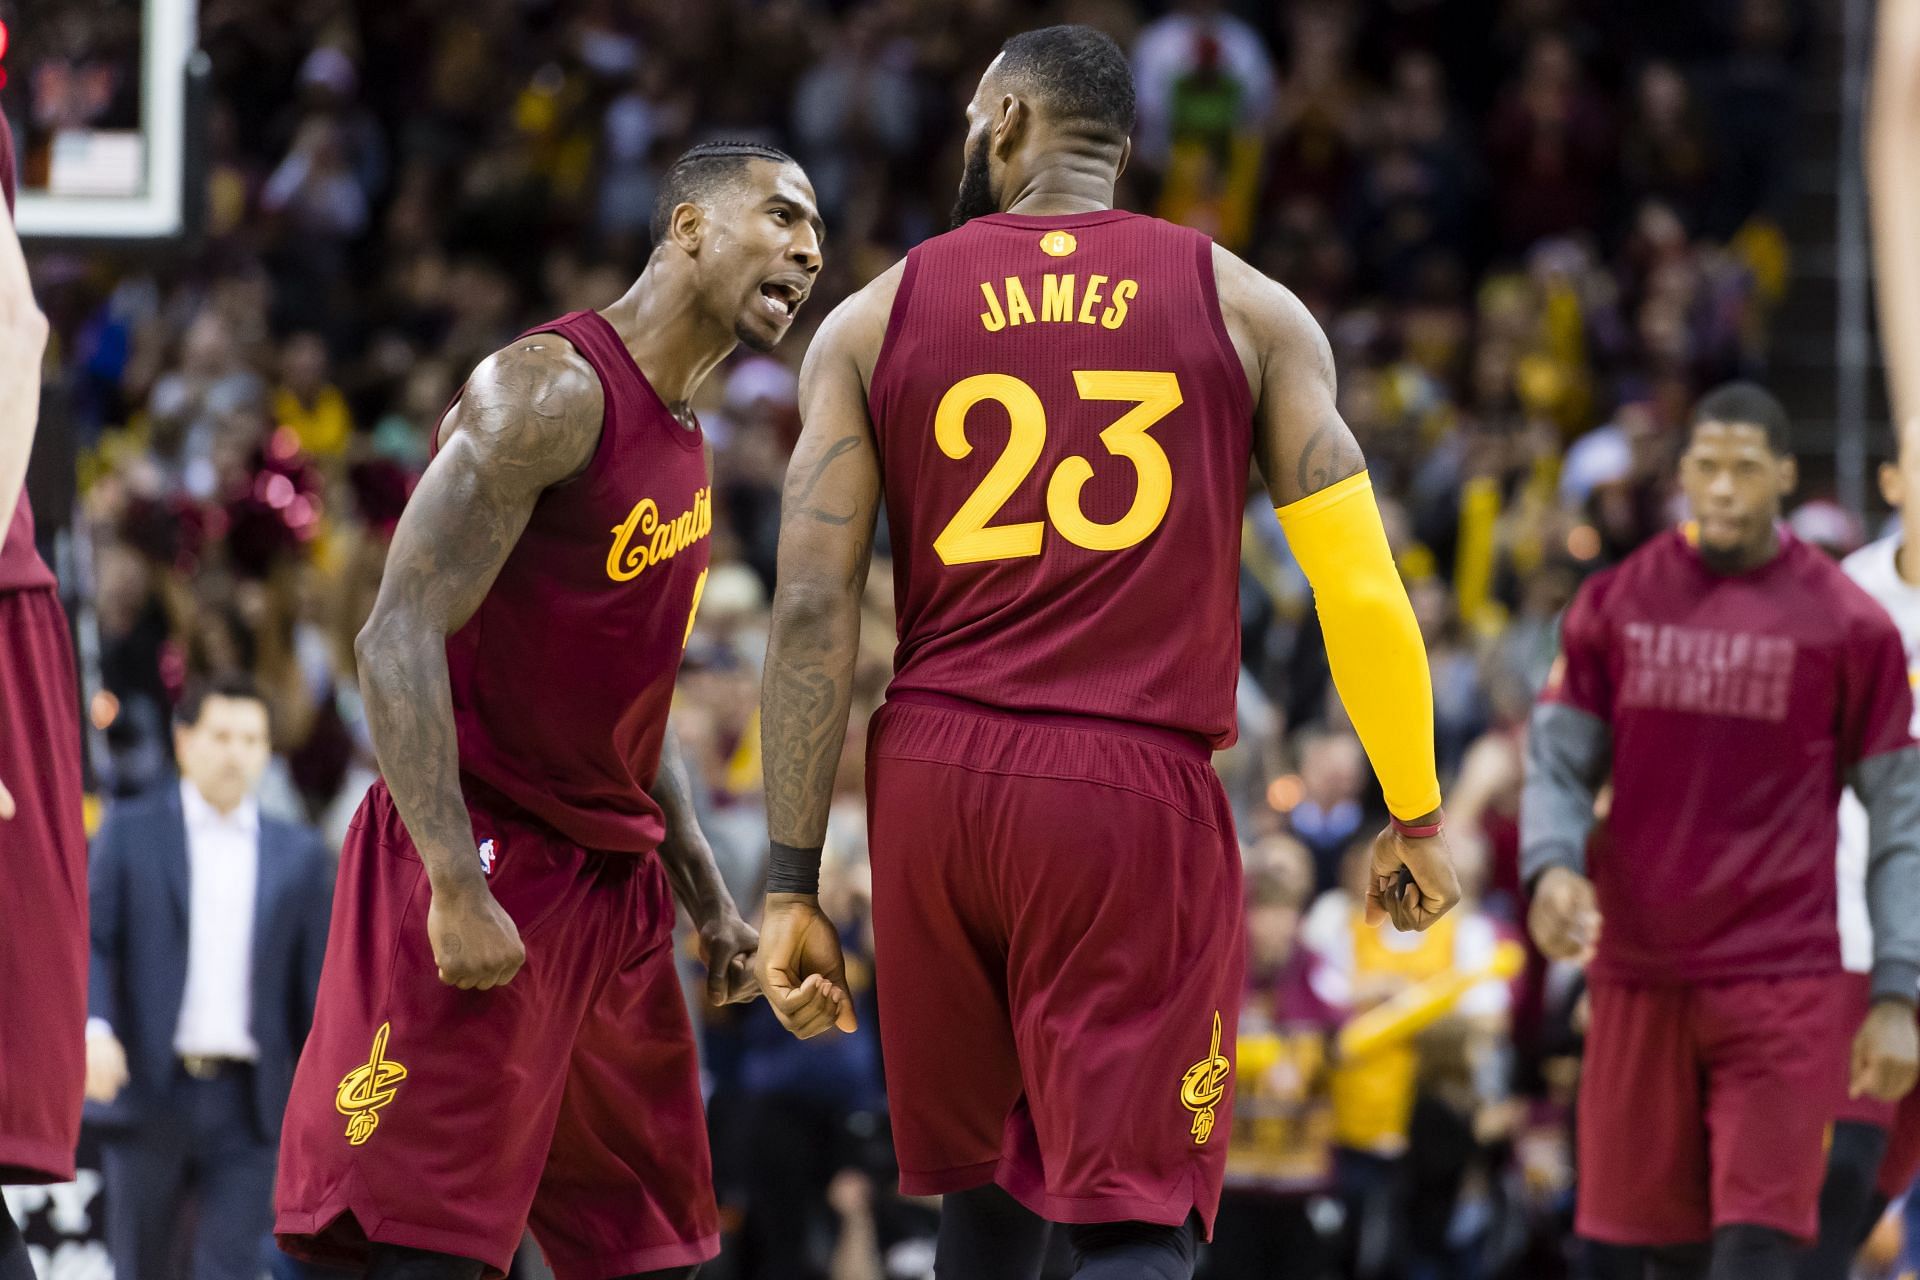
(486, 857)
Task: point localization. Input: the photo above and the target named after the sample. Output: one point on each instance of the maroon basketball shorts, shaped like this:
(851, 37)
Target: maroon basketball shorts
(1709, 1105)
(449, 1120)
(1059, 953)
(43, 894)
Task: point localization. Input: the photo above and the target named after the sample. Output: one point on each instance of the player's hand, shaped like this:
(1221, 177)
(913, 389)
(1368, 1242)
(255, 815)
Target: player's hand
(800, 966)
(475, 942)
(1886, 1053)
(1565, 917)
(106, 1067)
(727, 945)
(6, 802)
(1412, 882)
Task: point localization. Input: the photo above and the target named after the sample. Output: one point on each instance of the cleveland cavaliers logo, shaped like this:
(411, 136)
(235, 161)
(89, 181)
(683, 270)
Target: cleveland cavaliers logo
(1204, 1085)
(643, 539)
(367, 1088)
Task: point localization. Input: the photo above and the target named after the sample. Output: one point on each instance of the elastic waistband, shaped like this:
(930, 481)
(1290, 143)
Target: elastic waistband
(1191, 745)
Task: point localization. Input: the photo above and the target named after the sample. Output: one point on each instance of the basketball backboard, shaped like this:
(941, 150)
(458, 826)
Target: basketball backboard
(97, 92)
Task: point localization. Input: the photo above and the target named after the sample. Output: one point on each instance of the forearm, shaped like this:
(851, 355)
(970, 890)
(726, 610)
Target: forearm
(23, 343)
(805, 699)
(1889, 786)
(409, 699)
(19, 412)
(1893, 187)
(684, 851)
(1568, 752)
(1373, 642)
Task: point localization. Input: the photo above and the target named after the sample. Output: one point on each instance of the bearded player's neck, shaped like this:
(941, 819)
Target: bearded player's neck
(1075, 176)
(673, 339)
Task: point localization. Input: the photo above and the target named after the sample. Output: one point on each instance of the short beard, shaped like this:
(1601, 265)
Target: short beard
(1731, 562)
(976, 198)
(755, 341)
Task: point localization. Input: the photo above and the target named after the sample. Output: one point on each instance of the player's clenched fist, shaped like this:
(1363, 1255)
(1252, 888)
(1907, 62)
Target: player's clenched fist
(801, 970)
(1886, 1053)
(727, 945)
(1565, 918)
(475, 942)
(1413, 882)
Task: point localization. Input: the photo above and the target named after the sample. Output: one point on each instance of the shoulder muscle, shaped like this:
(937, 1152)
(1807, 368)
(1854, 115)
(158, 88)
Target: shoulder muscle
(531, 411)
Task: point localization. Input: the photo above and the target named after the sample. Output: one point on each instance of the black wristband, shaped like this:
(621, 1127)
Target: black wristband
(792, 870)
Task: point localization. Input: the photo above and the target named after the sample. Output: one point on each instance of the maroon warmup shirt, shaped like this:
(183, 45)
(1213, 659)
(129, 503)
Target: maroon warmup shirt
(1737, 705)
(1065, 432)
(563, 677)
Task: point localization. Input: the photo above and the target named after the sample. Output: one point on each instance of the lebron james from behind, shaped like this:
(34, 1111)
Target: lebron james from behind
(501, 1036)
(1060, 402)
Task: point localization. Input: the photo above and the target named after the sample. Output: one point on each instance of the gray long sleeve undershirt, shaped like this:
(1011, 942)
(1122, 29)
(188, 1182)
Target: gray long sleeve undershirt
(1889, 788)
(1569, 754)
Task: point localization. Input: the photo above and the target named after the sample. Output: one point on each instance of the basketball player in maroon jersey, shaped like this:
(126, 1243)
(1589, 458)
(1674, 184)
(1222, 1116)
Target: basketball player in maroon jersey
(1729, 680)
(500, 1035)
(1060, 402)
(43, 843)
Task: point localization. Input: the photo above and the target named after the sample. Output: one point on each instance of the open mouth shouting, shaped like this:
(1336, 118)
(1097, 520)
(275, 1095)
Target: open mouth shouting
(783, 295)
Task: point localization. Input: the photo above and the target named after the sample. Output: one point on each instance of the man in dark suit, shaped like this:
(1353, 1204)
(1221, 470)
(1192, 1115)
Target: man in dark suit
(209, 924)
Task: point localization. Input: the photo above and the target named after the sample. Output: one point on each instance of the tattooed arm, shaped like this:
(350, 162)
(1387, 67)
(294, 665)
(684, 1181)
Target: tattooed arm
(1316, 476)
(726, 941)
(529, 419)
(827, 514)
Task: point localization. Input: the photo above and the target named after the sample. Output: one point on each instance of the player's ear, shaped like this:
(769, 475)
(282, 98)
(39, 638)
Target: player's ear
(1126, 154)
(1893, 484)
(1009, 125)
(1789, 475)
(687, 227)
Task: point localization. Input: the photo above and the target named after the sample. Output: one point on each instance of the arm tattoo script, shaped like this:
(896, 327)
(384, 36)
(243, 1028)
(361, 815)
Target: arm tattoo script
(813, 646)
(1330, 454)
(810, 481)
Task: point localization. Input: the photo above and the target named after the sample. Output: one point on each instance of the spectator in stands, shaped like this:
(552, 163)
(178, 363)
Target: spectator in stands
(1281, 1155)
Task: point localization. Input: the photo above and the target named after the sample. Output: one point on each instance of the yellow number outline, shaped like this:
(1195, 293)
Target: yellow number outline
(1156, 395)
(968, 538)
(693, 610)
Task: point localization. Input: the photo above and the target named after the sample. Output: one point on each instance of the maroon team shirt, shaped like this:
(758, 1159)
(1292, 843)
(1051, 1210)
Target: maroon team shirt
(1065, 433)
(563, 678)
(1737, 705)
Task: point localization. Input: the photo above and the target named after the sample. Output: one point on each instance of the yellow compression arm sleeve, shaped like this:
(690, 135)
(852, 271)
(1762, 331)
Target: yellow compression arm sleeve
(1373, 643)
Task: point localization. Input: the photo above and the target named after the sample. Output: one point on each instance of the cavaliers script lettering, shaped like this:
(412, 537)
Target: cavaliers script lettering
(643, 539)
(1707, 672)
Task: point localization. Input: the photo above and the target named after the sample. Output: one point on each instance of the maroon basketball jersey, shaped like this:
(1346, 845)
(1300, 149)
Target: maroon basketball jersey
(1065, 433)
(562, 678)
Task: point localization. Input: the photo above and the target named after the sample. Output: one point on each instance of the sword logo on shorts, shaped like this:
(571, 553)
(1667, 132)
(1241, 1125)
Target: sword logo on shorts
(1204, 1085)
(367, 1088)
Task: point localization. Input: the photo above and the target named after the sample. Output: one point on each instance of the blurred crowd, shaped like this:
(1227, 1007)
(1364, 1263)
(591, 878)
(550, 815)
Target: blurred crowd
(1533, 230)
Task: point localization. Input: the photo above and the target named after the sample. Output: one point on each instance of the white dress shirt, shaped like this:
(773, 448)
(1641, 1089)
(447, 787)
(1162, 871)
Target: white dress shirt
(1875, 567)
(223, 868)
